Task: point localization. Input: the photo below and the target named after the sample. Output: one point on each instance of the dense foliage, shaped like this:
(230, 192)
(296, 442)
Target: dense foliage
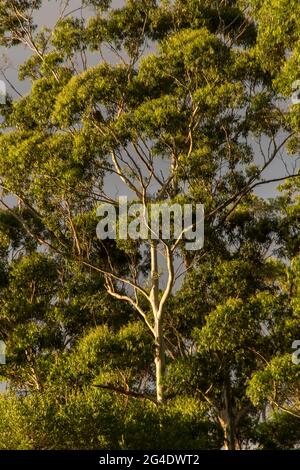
(176, 101)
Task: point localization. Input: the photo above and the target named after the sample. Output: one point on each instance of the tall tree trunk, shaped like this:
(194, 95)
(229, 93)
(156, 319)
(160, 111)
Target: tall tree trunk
(230, 442)
(157, 313)
(227, 421)
(159, 361)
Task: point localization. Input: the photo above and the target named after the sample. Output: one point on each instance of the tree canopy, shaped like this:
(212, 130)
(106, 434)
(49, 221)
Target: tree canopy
(135, 344)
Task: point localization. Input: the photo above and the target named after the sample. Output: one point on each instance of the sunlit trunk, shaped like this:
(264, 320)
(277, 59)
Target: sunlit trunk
(159, 361)
(227, 421)
(159, 342)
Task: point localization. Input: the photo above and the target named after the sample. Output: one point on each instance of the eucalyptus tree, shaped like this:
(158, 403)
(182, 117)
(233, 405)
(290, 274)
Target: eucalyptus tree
(171, 101)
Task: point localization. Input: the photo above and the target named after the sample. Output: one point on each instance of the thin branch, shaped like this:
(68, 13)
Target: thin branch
(133, 303)
(129, 393)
